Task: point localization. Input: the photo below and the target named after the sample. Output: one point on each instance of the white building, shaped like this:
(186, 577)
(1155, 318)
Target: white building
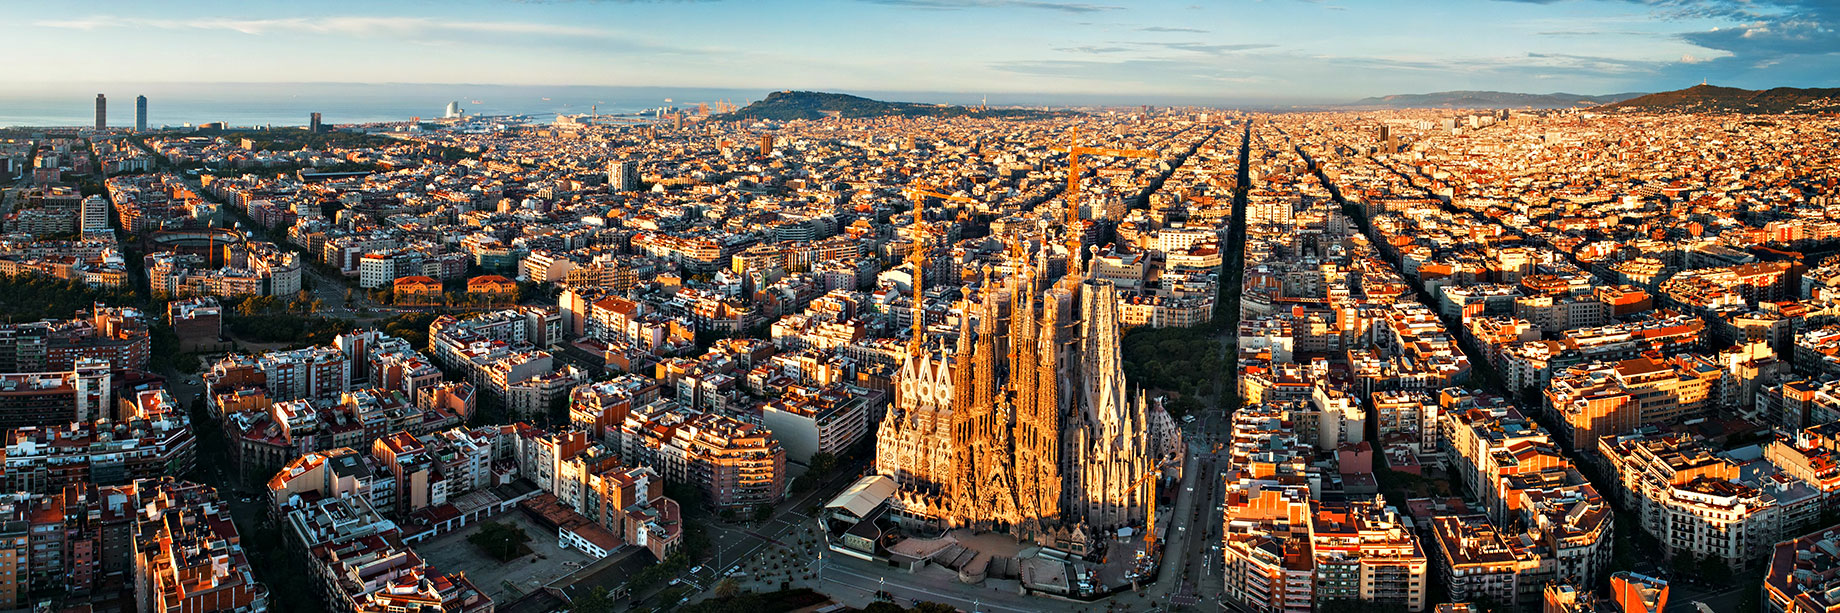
(95, 216)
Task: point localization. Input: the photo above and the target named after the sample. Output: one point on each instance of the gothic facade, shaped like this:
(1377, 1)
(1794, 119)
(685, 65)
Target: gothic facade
(1026, 425)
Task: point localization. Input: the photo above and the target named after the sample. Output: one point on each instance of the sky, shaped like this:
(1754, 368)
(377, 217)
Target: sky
(1184, 51)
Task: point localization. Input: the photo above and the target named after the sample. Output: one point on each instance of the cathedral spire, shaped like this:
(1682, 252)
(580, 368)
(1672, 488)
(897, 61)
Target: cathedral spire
(961, 364)
(986, 352)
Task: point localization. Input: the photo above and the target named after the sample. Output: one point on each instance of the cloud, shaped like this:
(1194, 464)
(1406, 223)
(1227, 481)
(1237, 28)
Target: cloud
(1793, 36)
(327, 25)
(1140, 71)
(1092, 49)
(417, 29)
(1799, 40)
(1213, 49)
(1169, 29)
(1064, 7)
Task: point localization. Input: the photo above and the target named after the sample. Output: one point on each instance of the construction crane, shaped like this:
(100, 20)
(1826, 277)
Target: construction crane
(1073, 187)
(1149, 480)
(918, 190)
(917, 257)
(1073, 168)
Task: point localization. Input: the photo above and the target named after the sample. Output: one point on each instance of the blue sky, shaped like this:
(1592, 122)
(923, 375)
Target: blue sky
(1185, 50)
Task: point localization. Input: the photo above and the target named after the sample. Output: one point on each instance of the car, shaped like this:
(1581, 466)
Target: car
(696, 569)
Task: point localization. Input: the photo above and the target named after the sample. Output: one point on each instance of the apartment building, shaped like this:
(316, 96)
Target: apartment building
(31, 399)
(188, 555)
(116, 335)
(1804, 574)
(736, 464)
(1691, 499)
(149, 436)
(1477, 561)
(808, 421)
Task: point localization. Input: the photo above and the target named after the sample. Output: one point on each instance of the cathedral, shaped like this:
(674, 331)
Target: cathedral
(1023, 423)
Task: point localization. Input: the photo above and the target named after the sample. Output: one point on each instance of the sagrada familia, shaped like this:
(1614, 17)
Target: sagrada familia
(1024, 424)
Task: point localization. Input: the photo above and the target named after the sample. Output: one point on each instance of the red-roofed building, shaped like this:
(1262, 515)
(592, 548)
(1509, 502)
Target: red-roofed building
(417, 290)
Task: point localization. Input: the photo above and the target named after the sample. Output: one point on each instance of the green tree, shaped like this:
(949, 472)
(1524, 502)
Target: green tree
(1714, 570)
(502, 541)
(728, 587)
(822, 463)
(596, 600)
(763, 512)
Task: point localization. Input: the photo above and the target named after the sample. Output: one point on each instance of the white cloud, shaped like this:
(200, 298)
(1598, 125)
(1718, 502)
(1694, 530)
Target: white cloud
(409, 27)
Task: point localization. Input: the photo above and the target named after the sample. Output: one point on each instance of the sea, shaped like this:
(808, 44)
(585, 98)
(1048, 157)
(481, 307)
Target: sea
(290, 104)
(285, 104)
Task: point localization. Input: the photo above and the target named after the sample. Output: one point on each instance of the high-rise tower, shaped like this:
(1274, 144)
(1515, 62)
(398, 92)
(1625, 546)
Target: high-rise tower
(313, 123)
(102, 112)
(622, 176)
(140, 113)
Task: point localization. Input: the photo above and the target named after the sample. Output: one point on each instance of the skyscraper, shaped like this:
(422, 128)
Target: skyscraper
(313, 123)
(622, 176)
(140, 113)
(766, 145)
(95, 215)
(102, 112)
(453, 110)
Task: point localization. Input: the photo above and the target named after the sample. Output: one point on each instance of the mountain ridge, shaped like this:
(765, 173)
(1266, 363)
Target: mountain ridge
(1704, 98)
(788, 105)
(1479, 99)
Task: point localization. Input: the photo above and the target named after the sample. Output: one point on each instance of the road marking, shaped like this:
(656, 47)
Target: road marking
(979, 604)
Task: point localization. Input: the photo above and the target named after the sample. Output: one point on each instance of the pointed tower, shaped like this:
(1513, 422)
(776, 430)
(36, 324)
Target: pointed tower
(1036, 429)
(1112, 444)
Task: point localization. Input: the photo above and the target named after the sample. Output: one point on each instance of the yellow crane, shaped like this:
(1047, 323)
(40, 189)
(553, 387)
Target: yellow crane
(918, 190)
(1149, 480)
(917, 257)
(1073, 166)
(1071, 196)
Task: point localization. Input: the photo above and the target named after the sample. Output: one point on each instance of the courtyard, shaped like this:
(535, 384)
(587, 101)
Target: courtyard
(505, 581)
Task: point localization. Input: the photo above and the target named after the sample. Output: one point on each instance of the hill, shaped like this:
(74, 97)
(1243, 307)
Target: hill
(1714, 99)
(1488, 100)
(790, 105)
